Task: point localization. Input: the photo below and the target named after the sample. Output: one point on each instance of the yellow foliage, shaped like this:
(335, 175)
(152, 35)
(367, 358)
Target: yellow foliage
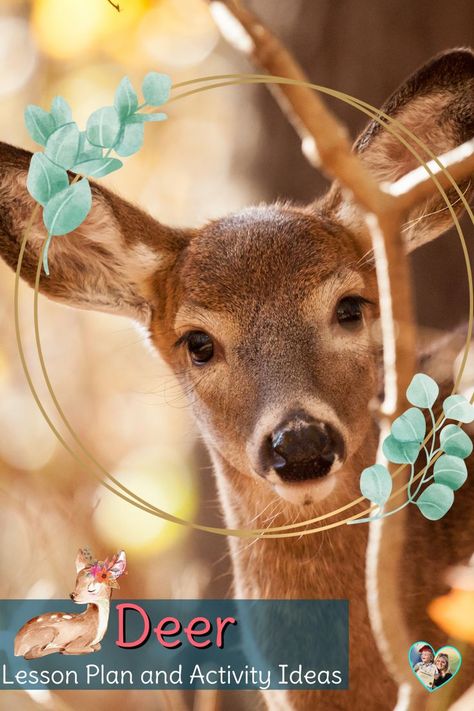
(454, 614)
(65, 29)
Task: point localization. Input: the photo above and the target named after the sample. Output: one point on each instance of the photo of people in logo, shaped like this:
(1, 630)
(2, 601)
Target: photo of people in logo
(434, 669)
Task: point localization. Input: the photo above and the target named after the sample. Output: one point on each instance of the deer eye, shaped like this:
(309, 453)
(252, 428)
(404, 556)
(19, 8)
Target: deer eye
(200, 347)
(350, 311)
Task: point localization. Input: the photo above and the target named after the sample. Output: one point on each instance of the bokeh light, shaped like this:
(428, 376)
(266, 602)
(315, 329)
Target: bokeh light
(119, 396)
(159, 477)
(67, 28)
(18, 55)
(178, 33)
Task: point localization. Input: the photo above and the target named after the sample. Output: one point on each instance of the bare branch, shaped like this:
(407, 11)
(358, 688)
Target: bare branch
(325, 140)
(319, 128)
(418, 185)
(333, 149)
(326, 143)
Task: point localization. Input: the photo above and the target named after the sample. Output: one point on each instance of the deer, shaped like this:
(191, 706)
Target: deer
(73, 634)
(268, 317)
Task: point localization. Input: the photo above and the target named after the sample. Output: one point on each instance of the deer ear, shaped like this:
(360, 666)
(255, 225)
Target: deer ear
(119, 565)
(110, 263)
(83, 559)
(436, 104)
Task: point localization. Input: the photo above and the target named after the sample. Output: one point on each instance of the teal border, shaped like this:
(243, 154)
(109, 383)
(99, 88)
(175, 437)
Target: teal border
(435, 688)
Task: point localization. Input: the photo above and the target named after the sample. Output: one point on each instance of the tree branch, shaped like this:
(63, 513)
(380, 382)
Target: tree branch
(333, 151)
(417, 186)
(325, 141)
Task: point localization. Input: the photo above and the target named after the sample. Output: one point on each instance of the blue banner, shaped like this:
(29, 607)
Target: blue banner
(185, 644)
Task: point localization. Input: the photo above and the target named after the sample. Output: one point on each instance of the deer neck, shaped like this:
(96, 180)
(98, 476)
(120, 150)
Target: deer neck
(328, 564)
(99, 612)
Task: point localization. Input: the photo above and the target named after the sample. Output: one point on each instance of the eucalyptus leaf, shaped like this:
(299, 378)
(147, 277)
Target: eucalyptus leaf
(103, 127)
(131, 139)
(86, 150)
(45, 179)
(126, 99)
(98, 167)
(62, 146)
(422, 391)
(40, 124)
(435, 501)
(156, 88)
(400, 452)
(450, 471)
(456, 407)
(454, 441)
(143, 118)
(61, 111)
(410, 427)
(68, 209)
(376, 484)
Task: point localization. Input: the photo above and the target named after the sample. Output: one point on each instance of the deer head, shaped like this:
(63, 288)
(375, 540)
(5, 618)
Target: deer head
(267, 316)
(96, 579)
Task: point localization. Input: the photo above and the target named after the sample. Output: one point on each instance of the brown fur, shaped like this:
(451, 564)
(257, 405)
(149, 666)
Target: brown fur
(264, 284)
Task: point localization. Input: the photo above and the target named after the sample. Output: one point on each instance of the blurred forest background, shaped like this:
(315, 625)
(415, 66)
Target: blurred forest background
(218, 151)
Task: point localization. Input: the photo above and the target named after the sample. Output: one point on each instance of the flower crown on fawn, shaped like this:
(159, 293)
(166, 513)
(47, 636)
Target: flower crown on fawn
(118, 128)
(107, 571)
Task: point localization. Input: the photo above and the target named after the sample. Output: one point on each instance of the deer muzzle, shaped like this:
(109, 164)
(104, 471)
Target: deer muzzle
(302, 448)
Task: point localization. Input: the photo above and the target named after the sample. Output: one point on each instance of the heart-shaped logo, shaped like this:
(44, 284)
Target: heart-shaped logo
(434, 669)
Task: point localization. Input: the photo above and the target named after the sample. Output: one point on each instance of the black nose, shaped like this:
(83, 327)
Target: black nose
(302, 448)
(72, 596)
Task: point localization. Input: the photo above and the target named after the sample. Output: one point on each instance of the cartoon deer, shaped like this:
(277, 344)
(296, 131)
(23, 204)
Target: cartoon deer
(268, 317)
(81, 633)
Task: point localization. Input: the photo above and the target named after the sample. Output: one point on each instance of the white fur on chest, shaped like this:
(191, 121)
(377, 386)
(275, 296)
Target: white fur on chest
(103, 620)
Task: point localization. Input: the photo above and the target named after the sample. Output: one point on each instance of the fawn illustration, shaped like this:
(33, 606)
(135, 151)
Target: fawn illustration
(268, 317)
(82, 633)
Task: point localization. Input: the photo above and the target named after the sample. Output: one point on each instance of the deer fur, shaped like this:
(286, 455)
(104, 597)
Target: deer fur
(264, 283)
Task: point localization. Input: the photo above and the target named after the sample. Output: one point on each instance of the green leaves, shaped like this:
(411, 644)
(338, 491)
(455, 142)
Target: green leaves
(456, 407)
(40, 124)
(98, 167)
(65, 212)
(400, 452)
(450, 471)
(126, 99)
(407, 440)
(119, 127)
(45, 178)
(103, 127)
(156, 88)
(131, 139)
(435, 501)
(422, 391)
(86, 150)
(376, 484)
(143, 118)
(68, 208)
(62, 145)
(410, 427)
(454, 441)
(60, 111)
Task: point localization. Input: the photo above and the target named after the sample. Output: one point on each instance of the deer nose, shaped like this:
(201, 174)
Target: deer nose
(302, 448)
